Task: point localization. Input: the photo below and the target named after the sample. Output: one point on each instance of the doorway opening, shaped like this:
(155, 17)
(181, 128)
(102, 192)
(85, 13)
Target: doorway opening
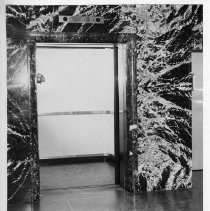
(80, 107)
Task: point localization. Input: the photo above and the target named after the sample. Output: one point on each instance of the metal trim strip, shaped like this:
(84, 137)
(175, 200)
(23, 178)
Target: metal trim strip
(79, 113)
(76, 113)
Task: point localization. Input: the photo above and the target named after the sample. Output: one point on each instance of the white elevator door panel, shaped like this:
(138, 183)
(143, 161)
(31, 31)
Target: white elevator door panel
(63, 136)
(75, 80)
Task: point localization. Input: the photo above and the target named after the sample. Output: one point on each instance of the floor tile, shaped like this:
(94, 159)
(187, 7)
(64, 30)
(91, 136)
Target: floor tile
(19, 207)
(61, 205)
(114, 198)
(76, 175)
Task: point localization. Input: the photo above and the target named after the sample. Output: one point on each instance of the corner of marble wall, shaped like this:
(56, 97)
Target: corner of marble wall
(18, 139)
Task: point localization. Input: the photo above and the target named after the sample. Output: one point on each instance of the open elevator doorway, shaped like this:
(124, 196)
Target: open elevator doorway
(78, 115)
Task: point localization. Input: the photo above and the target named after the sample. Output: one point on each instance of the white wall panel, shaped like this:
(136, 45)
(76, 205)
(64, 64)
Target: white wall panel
(197, 111)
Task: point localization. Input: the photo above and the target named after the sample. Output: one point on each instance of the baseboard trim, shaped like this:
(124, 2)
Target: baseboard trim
(78, 159)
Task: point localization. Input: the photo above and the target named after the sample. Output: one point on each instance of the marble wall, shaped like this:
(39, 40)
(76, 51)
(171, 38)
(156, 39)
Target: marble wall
(160, 147)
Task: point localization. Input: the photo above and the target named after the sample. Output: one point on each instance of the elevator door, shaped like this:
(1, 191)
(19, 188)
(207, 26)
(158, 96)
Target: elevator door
(75, 101)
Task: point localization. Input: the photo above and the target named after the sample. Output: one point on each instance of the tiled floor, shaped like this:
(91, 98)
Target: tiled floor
(110, 198)
(76, 175)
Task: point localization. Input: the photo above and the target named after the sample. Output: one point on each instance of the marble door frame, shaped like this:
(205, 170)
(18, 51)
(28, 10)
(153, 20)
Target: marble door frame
(127, 167)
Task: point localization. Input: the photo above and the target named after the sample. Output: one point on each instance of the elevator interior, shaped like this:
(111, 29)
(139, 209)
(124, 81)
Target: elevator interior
(80, 104)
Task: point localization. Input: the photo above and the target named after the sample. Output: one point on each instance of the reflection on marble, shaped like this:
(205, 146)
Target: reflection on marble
(160, 142)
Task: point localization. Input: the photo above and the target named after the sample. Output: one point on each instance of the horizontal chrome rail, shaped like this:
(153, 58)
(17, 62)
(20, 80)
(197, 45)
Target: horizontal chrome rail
(77, 113)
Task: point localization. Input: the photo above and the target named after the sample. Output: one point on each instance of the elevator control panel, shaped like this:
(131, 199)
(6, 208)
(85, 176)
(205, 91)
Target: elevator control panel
(81, 19)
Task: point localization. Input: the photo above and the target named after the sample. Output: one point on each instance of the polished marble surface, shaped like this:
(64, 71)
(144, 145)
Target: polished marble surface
(160, 142)
(114, 198)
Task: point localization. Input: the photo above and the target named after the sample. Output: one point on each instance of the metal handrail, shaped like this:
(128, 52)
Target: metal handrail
(78, 113)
